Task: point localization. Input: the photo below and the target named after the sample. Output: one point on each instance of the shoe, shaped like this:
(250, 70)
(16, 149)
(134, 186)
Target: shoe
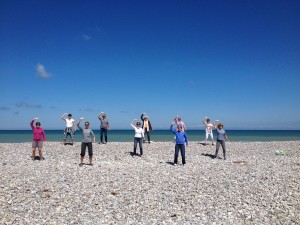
(104, 142)
(174, 164)
(80, 164)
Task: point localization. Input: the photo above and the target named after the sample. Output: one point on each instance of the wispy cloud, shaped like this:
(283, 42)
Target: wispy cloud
(28, 105)
(41, 71)
(88, 109)
(86, 37)
(4, 108)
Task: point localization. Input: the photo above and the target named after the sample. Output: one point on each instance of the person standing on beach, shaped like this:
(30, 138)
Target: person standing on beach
(146, 126)
(178, 121)
(38, 137)
(104, 127)
(208, 130)
(86, 141)
(181, 139)
(221, 140)
(70, 127)
(138, 137)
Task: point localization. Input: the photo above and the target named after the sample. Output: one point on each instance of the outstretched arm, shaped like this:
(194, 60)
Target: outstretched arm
(31, 123)
(132, 123)
(205, 120)
(99, 115)
(62, 117)
(171, 128)
(78, 124)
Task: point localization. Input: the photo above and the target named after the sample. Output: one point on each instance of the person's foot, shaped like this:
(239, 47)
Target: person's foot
(212, 144)
(104, 142)
(149, 142)
(174, 164)
(90, 164)
(224, 158)
(80, 164)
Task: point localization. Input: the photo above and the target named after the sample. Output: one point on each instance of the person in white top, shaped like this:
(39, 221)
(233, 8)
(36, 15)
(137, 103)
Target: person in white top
(138, 137)
(70, 127)
(208, 130)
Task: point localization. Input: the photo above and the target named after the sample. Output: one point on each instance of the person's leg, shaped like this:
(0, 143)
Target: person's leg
(206, 137)
(145, 131)
(212, 138)
(148, 136)
(34, 146)
(82, 154)
(90, 148)
(40, 154)
(141, 146)
(217, 148)
(105, 134)
(72, 135)
(176, 154)
(135, 145)
(224, 149)
(101, 135)
(65, 136)
(182, 151)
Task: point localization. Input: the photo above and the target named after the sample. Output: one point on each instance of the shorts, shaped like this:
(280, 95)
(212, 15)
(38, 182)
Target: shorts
(83, 148)
(37, 144)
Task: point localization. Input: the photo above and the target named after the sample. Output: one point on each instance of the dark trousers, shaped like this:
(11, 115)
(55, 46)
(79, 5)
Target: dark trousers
(103, 131)
(148, 134)
(140, 141)
(83, 148)
(220, 142)
(180, 147)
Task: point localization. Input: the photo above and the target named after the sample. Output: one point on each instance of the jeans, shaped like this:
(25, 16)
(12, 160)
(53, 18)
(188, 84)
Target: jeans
(180, 147)
(136, 140)
(69, 131)
(220, 142)
(103, 130)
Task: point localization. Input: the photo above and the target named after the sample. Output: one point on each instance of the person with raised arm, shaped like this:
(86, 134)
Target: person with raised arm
(104, 127)
(38, 137)
(138, 137)
(146, 126)
(208, 130)
(179, 121)
(70, 127)
(86, 141)
(181, 140)
(222, 136)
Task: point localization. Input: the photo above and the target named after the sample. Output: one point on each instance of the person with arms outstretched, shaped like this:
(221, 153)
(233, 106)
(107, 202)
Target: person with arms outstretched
(178, 121)
(222, 136)
(208, 130)
(38, 137)
(86, 141)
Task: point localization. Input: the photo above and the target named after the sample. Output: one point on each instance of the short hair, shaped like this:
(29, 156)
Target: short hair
(179, 118)
(179, 126)
(87, 122)
(207, 120)
(220, 124)
(70, 115)
(38, 124)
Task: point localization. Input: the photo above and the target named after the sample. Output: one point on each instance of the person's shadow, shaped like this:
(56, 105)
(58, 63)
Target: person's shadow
(208, 155)
(38, 158)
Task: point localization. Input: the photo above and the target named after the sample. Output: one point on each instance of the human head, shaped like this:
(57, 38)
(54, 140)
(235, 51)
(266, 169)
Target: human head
(220, 126)
(103, 115)
(70, 115)
(146, 118)
(138, 124)
(208, 120)
(179, 127)
(179, 118)
(38, 124)
(87, 124)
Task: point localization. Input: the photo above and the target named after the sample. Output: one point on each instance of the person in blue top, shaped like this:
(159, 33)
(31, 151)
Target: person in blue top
(221, 140)
(181, 139)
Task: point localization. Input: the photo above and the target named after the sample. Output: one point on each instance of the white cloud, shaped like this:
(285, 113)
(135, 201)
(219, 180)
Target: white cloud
(41, 71)
(86, 37)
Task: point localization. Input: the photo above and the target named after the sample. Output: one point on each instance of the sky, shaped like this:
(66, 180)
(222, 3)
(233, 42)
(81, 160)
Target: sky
(236, 61)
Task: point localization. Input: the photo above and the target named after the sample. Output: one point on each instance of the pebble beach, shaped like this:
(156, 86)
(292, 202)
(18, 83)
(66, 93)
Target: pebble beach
(253, 186)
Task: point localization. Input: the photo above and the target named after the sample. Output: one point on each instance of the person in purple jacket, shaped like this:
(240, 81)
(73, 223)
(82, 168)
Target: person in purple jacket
(181, 139)
(38, 137)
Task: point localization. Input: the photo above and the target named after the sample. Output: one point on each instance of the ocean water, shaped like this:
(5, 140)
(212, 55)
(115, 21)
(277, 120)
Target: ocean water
(16, 136)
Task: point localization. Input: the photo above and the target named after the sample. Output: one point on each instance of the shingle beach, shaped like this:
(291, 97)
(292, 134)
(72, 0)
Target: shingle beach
(253, 186)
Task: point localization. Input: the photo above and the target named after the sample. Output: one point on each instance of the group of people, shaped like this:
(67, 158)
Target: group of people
(179, 130)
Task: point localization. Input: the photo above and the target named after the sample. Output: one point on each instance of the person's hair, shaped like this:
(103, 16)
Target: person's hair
(220, 124)
(87, 123)
(179, 126)
(38, 124)
(208, 120)
(103, 115)
(179, 118)
(70, 115)
(138, 123)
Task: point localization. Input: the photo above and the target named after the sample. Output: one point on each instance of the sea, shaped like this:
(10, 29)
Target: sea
(19, 136)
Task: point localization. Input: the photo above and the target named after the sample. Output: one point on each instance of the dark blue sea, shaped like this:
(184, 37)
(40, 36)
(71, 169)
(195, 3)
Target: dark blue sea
(16, 136)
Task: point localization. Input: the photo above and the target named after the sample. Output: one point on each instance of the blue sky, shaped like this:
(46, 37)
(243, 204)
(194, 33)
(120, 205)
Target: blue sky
(237, 61)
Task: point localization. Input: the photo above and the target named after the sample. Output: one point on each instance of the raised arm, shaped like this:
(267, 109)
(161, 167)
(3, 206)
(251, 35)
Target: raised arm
(175, 119)
(142, 116)
(99, 115)
(205, 120)
(171, 128)
(78, 124)
(31, 123)
(132, 123)
(63, 116)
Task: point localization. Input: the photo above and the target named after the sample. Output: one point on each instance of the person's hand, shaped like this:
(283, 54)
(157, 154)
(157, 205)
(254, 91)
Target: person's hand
(81, 118)
(134, 119)
(172, 122)
(35, 118)
(144, 113)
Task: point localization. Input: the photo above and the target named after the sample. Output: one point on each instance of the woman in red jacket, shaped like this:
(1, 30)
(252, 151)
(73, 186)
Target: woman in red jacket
(38, 137)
